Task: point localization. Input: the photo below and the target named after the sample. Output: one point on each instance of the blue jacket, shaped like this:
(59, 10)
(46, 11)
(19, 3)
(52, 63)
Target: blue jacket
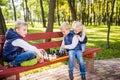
(80, 34)
(68, 41)
(10, 51)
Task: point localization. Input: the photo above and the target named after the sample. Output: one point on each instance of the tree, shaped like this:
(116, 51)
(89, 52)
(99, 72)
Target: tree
(27, 12)
(2, 23)
(14, 9)
(109, 21)
(72, 9)
(83, 6)
(51, 16)
(58, 14)
(42, 11)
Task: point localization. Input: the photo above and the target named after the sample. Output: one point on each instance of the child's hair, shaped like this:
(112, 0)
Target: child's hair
(20, 23)
(76, 24)
(65, 25)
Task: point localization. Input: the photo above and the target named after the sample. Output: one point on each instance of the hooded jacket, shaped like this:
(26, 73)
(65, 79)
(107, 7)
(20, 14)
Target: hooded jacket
(10, 51)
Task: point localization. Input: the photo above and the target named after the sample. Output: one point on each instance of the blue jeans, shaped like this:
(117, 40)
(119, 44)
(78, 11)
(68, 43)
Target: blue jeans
(83, 46)
(78, 55)
(22, 57)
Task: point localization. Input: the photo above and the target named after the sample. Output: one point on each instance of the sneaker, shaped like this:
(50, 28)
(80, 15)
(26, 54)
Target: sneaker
(10, 65)
(83, 77)
(71, 75)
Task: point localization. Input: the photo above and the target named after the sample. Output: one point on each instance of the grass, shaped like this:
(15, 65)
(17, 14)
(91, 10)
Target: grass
(97, 37)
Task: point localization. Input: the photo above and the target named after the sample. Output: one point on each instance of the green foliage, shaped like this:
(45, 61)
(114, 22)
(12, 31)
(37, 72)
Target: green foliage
(3, 2)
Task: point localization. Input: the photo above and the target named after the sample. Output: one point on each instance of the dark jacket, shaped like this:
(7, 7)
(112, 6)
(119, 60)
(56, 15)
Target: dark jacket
(68, 41)
(10, 51)
(80, 34)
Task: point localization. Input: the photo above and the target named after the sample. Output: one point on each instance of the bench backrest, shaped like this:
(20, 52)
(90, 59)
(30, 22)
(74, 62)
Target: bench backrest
(40, 37)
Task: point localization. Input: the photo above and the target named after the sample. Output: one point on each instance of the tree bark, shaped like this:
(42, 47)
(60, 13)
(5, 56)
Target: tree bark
(42, 11)
(24, 10)
(83, 11)
(14, 9)
(2, 24)
(72, 9)
(27, 12)
(58, 15)
(51, 16)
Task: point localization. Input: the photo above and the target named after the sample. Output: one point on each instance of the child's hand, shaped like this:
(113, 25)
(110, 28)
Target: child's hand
(40, 59)
(62, 46)
(42, 51)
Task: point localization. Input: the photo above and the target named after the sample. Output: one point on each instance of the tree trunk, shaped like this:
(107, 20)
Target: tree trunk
(119, 18)
(58, 15)
(42, 11)
(27, 12)
(2, 24)
(14, 9)
(72, 9)
(50, 19)
(51, 16)
(109, 23)
(24, 10)
(94, 18)
(83, 2)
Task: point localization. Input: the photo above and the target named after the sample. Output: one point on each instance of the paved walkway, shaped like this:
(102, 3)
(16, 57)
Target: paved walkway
(104, 70)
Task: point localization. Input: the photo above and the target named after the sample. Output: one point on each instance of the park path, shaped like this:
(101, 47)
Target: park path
(108, 69)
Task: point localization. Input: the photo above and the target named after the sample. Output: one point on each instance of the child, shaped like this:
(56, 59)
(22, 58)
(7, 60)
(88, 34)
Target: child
(71, 43)
(15, 49)
(80, 31)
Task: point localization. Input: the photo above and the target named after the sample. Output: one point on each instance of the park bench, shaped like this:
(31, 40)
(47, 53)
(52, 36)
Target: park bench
(56, 39)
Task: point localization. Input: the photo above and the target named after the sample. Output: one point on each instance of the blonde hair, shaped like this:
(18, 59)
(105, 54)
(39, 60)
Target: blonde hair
(76, 24)
(20, 23)
(65, 25)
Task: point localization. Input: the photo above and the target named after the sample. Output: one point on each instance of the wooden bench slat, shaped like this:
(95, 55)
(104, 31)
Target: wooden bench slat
(48, 45)
(88, 52)
(2, 39)
(47, 35)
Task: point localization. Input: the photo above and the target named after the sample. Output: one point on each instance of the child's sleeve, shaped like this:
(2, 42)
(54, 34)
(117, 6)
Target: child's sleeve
(61, 49)
(26, 46)
(74, 43)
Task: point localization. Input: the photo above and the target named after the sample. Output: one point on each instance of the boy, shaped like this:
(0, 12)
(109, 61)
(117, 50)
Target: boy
(71, 43)
(15, 49)
(80, 31)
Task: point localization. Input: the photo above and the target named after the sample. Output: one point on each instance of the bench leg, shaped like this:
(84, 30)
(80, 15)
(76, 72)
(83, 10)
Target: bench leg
(17, 76)
(13, 77)
(90, 65)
